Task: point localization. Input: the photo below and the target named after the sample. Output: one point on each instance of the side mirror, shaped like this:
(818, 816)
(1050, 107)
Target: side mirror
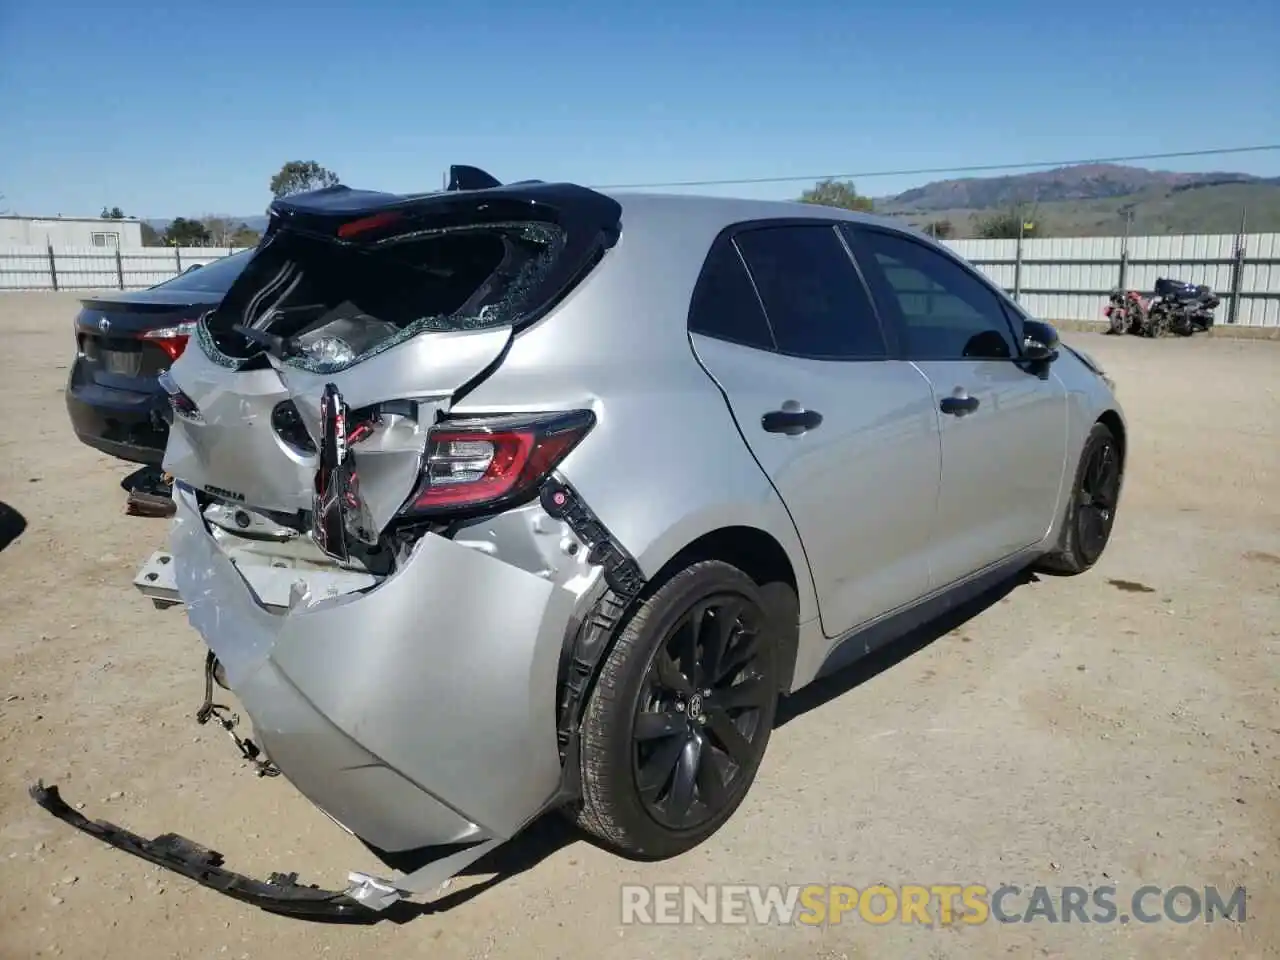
(1040, 342)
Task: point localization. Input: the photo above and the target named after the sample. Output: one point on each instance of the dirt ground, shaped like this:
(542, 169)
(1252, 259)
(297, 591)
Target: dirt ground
(1122, 728)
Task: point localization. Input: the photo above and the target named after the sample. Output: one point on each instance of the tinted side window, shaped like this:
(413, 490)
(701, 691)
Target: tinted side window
(725, 304)
(946, 312)
(812, 293)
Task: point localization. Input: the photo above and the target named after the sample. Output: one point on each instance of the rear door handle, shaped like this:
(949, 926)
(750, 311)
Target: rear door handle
(959, 404)
(792, 419)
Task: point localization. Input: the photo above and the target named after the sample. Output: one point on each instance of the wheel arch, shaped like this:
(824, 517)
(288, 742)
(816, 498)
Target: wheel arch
(1111, 419)
(763, 558)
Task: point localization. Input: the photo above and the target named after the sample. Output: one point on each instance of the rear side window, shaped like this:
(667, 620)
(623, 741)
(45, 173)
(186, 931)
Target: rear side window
(812, 294)
(215, 277)
(725, 305)
(343, 302)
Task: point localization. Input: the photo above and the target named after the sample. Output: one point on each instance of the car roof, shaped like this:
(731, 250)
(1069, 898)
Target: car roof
(705, 211)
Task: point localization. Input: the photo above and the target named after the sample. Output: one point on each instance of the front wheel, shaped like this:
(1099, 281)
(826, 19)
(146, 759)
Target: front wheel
(680, 716)
(1091, 512)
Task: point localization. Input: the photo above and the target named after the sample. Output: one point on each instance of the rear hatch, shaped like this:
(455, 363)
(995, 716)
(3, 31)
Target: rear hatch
(124, 340)
(395, 304)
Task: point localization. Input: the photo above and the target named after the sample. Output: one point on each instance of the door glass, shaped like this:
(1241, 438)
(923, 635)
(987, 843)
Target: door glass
(725, 305)
(812, 293)
(946, 312)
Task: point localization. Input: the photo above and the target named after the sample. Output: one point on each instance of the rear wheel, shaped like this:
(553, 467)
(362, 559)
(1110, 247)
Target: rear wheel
(680, 716)
(1091, 512)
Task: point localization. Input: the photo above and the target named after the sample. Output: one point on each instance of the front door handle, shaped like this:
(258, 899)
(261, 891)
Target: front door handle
(959, 404)
(792, 419)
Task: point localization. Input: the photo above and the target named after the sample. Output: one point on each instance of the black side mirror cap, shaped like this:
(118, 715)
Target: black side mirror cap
(1040, 342)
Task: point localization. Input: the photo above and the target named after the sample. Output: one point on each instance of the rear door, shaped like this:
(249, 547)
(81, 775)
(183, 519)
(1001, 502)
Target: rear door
(783, 323)
(399, 303)
(1004, 427)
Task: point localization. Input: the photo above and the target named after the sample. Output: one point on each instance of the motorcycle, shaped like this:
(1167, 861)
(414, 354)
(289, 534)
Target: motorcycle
(1183, 309)
(1175, 307)
(1127, 312)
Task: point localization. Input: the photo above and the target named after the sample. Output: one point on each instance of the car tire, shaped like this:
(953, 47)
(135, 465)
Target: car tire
(1090, 516)
(645, 714)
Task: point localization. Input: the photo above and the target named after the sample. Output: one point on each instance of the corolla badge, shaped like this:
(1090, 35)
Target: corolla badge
(104, 325)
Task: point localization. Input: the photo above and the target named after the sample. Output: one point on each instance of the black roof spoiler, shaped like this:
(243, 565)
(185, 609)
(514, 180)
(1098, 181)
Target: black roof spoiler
(348, 211)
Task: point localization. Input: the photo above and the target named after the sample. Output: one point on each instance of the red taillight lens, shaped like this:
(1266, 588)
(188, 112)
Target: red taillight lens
(172, 340)
(495, 461)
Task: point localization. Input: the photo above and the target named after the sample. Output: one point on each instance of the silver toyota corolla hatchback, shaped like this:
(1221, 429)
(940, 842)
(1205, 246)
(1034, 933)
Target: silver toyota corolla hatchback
(519, 497)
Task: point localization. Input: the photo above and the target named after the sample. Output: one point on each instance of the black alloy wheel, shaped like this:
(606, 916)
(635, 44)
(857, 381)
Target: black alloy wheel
(1097, 498)
(701, 708)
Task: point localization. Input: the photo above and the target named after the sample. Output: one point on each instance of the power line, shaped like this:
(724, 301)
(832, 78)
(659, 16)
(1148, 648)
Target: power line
(979, 168)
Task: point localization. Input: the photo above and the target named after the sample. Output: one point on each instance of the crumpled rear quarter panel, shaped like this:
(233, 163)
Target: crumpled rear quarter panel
(446, 673)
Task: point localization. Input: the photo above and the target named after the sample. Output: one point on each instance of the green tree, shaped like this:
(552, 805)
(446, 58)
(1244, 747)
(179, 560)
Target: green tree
(187, 233)
(115, 213)
(245, 236)
(151, 236)
(299, 176)
(1006, 224)
(220, 229)
(832, 193)
(940, 229)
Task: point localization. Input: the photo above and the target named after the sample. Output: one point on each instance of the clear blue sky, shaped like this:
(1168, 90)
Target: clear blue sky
(188, 108)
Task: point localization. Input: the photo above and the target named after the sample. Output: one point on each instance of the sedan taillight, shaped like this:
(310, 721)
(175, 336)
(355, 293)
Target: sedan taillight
(172, 339)
(489, 462)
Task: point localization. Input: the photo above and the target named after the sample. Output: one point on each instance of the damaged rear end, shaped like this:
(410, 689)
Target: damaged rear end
(375, 577)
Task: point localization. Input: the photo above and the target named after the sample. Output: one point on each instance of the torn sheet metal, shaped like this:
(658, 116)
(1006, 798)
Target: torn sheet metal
(429, 646)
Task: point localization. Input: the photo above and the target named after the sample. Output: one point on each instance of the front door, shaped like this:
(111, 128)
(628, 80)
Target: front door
(848, 437)
(1004, 427)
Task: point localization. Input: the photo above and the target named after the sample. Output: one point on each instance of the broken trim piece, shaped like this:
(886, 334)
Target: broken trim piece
(621, 571)
(625, 581)
(280, 893)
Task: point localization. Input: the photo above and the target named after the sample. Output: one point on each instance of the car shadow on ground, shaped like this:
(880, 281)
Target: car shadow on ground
(552, 832)
(12, 525)
(825, 689)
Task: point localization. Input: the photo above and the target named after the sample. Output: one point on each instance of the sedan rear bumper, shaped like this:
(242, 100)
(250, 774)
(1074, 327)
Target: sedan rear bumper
(416, 713)
(119, 423)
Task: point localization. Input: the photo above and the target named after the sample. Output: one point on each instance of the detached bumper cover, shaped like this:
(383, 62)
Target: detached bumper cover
(280, 893)
(418, 713)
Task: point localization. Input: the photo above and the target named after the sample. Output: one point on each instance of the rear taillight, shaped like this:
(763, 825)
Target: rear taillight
(493, 461)
(172, 340)
(179, 403)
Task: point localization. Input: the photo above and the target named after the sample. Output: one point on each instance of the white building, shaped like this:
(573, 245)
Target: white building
(70, 232)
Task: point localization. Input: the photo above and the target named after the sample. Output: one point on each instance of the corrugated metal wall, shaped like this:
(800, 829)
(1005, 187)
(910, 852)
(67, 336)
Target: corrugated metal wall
(1069, 278)
(1055, 278)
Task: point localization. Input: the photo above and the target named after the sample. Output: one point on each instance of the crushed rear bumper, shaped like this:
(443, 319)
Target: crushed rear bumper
(279, 893)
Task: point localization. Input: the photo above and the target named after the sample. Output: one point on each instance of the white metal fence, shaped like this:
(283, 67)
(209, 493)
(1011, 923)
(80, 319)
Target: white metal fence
(96, 268)
(1069, 278)
(1055, 278)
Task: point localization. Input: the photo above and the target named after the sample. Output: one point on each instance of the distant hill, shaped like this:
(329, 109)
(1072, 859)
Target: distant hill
(1080, 201)
(1093, 199)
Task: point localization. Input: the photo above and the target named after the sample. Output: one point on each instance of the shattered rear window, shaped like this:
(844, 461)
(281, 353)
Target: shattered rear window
(341, 304)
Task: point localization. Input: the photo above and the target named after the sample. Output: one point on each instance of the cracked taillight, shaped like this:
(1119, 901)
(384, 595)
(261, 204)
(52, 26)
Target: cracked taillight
(487, 462)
